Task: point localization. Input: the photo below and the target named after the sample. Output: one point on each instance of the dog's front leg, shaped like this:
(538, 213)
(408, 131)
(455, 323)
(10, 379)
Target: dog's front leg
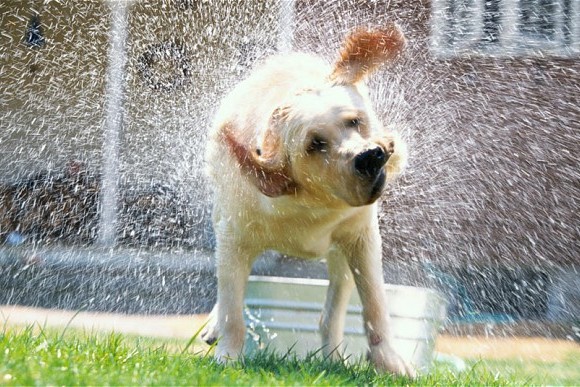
(340, 288)
(364, 258)
(233, 269)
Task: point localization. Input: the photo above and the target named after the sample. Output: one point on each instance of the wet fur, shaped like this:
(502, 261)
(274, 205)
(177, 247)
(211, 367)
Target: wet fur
(280, 157)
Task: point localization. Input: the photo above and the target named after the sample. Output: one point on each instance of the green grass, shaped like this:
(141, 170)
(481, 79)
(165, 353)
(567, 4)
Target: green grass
(44, 357)
(534, 372)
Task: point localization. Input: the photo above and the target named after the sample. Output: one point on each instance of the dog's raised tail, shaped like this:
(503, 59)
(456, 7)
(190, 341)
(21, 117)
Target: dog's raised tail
(365, 50)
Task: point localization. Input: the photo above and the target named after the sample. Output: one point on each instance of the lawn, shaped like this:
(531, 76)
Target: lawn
(34, 356)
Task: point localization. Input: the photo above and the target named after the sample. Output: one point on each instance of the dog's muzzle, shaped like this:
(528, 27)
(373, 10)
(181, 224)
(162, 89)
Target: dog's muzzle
(369, 167)
(369, 164)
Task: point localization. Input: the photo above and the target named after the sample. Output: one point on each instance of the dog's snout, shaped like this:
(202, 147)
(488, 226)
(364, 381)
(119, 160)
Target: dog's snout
(370, 162)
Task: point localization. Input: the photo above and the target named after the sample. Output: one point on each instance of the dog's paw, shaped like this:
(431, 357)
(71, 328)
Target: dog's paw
(224, 355)
(210, 333)
(209, 337)
(386, 360)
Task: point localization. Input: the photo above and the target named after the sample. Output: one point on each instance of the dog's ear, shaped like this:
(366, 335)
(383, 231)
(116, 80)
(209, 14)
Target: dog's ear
(365, 50)
(396, 148)
(264, 166)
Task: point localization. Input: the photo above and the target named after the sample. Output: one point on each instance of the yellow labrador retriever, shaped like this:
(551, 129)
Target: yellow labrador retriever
(298, 159)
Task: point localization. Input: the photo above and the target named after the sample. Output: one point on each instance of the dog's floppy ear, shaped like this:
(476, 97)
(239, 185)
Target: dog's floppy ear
(365, 50)
(265, 166)
(396, 148)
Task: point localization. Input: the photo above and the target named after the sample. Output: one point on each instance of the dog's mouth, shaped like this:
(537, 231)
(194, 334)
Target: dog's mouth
(370, 188)
(369, 167)
(377, 186)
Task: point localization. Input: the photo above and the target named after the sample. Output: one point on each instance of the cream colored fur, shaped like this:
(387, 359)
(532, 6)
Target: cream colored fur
(281, 159)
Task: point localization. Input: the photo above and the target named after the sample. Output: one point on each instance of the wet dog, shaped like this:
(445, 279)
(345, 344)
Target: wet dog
(298, 159)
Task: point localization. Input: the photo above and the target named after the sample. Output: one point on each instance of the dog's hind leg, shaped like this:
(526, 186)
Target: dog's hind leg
(337, 297)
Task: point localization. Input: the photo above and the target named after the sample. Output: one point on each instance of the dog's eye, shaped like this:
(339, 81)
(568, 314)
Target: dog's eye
(352, 123)
(317, 144)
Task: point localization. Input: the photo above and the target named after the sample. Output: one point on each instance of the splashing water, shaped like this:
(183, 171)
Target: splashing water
(487, 210)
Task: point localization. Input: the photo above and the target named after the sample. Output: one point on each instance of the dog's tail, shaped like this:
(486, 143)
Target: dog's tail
(365, 50)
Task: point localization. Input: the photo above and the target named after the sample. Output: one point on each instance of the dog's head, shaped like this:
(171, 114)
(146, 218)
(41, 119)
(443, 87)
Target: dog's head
(327, 141)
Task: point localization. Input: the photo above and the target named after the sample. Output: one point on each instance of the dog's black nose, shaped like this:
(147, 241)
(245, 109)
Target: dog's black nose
(370, 162)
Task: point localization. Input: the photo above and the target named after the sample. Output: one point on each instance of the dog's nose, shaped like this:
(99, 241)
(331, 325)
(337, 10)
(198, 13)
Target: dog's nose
(370, 162)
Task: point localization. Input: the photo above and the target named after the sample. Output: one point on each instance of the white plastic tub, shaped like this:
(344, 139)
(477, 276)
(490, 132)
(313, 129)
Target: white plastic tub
(282, 314)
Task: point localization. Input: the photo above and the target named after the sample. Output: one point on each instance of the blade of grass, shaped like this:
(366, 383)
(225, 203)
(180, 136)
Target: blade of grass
(83, 308)
(194, 337)
(319, 377)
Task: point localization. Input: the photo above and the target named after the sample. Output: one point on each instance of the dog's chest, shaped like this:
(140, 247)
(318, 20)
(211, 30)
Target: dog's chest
(302, 234)
(307, 243)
